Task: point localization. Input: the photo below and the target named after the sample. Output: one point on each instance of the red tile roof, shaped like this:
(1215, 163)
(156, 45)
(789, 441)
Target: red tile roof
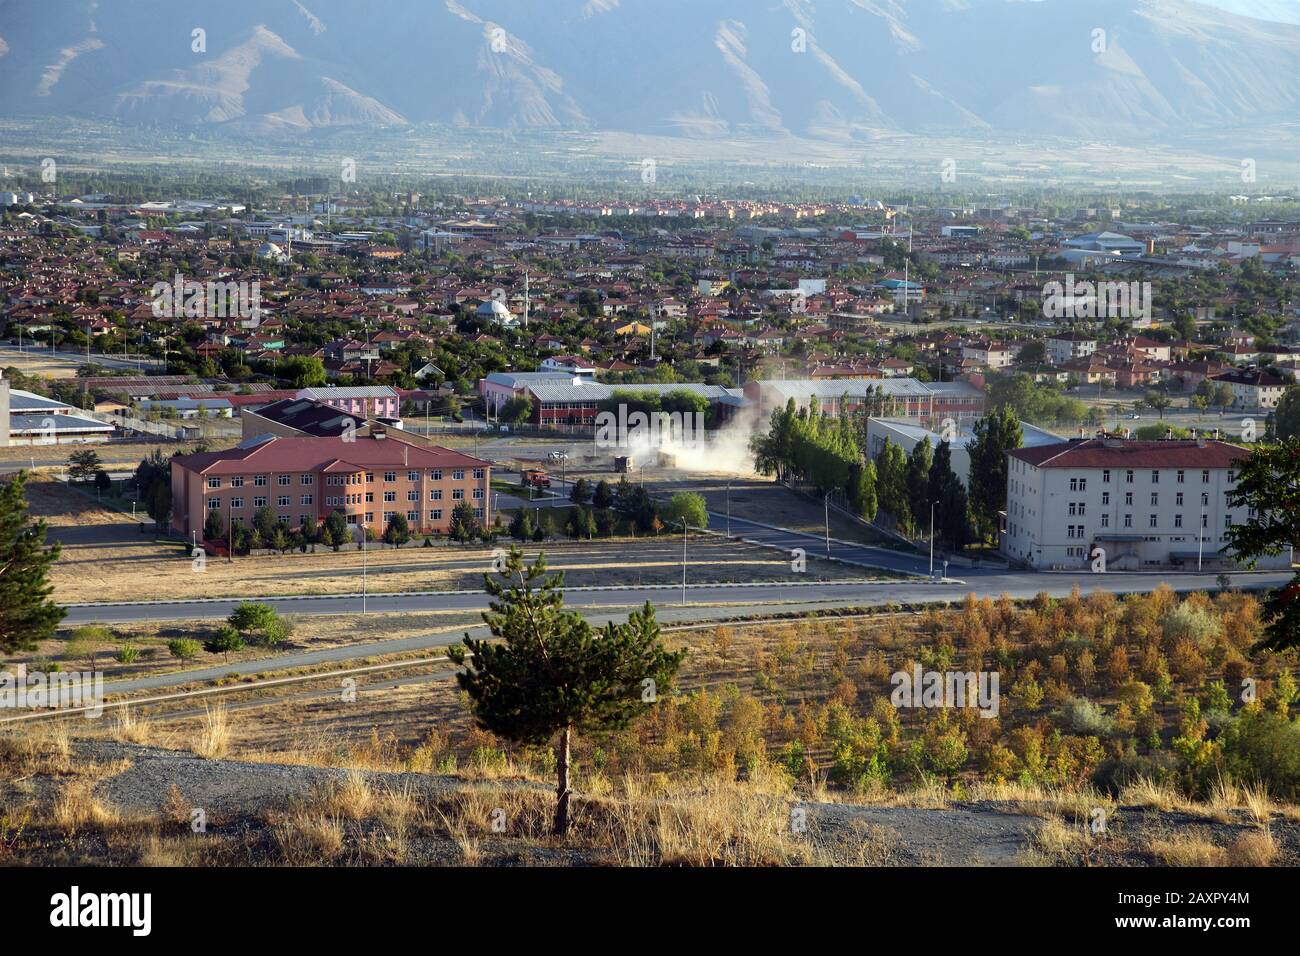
(312, 454)
(1119, 453)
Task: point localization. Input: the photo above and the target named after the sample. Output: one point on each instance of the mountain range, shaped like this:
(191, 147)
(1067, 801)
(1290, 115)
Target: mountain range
(839, 70)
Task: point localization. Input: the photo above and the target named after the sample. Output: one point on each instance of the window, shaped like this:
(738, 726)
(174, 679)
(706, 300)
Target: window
(236, 502)
(412, 476)
(285, 480)
(1155, 477)
(478, 494)
(413, 516)
(370, 476)
(307, 479)
(1181, 475)
(1205, 477)
(259, 501)
(214, 482)
(435, 514)
(458, 474)
(370, 497)
(1155, 499)
(1178, 521)
(1105, 521)
(412, 495)
(1105, 497)
(1105, 476)
(1152, 521)
(1205, 500)
(435, 475)
(1128, 498)
(1227, 521)
(1128, 521)
(390, 496)
(1232, 476)
(458, 494)
(1178, 499)
(390, 476)
(237, 481)
(282, 502)
(435, 495)
(1128, 477)
(1205, 521)
(479, 472)
(259, 481)
(305, 500)
(214, 504)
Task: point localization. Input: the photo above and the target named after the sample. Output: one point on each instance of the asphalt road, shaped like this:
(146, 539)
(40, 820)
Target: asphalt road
(743, 598)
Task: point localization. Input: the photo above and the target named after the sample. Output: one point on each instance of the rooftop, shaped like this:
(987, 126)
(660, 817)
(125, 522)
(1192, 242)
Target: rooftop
(1121, 453)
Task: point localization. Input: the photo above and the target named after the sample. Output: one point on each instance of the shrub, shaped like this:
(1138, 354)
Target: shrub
(1084, 717)
(184, 648)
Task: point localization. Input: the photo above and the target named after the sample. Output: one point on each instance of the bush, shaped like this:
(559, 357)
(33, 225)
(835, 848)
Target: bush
(1084, 717)
(126, 654)
(184, 648)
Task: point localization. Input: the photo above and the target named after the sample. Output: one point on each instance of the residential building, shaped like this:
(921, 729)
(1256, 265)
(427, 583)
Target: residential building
(1146, 504)
(367, 479)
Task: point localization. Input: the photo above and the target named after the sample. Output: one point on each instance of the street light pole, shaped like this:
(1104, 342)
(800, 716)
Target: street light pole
(728, 507)
(932, 504)
(684, 562)
(1200, 536)
(826, 508)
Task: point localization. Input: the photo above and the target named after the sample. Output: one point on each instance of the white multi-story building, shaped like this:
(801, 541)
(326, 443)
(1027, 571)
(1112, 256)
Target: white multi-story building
(1147, 504)
(1064, 346)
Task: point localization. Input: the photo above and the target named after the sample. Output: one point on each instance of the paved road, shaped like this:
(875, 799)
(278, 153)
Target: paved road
(746, 598)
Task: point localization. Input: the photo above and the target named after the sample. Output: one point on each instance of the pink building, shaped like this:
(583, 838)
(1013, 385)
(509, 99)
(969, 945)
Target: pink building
(368, 401)
(367, 478)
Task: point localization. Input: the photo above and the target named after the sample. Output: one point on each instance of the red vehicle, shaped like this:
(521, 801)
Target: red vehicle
(534, 478)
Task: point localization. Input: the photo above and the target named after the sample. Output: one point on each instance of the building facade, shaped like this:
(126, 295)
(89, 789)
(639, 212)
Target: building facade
(300, 479)
(1148, 505)
(367, 401)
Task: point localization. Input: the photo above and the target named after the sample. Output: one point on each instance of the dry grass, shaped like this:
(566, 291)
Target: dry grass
(76, 807)
(131, 729)
(307, 838)
(213, 741)
(1190, 848)
(1254, 848)
(1155, 795)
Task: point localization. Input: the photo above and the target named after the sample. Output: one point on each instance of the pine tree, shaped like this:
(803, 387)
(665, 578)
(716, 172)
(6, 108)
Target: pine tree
(26, 613)
(918, 481)
(580, 494)
(547, 674)
(995, 434)
(951, 522)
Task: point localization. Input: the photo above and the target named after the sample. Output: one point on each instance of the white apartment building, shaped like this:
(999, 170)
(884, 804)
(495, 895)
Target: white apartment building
(989, 354)
(1064, 346)
(1254, 389)
(1148, 504)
